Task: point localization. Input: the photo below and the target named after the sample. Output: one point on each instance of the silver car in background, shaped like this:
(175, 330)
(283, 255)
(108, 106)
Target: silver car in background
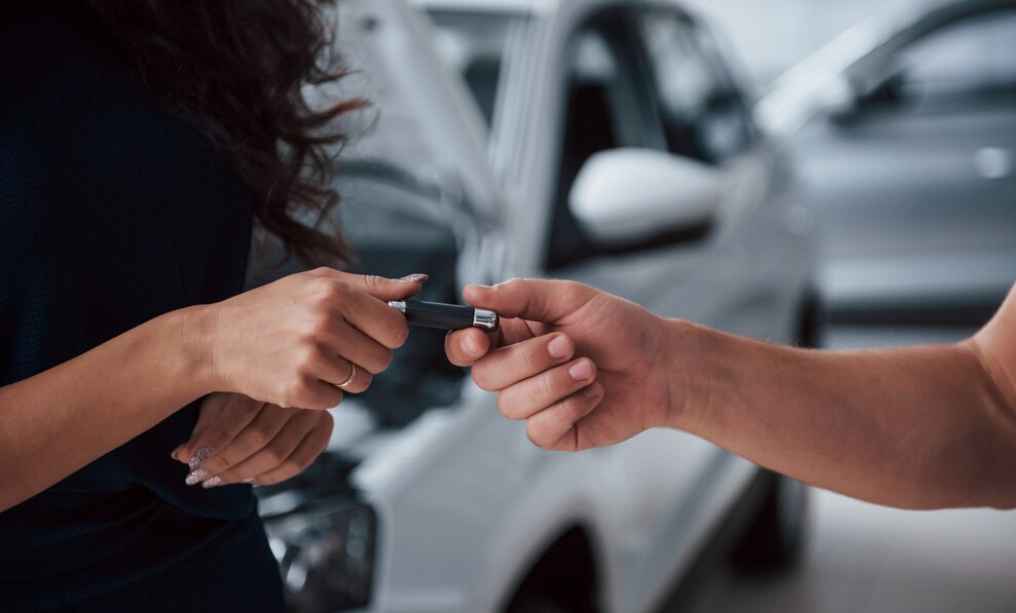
(554, 147)
(905, 132)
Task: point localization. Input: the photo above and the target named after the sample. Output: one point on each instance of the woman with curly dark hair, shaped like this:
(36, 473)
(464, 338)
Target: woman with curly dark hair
(140, 142)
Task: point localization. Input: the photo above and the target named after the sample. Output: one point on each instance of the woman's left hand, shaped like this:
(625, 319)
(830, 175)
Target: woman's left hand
(239, 440)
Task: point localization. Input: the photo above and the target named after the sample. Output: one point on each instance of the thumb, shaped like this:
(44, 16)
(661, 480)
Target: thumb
(387, 289)
(533, 299)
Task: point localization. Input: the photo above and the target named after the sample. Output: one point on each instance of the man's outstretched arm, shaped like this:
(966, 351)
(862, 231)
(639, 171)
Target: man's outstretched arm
(924, 428)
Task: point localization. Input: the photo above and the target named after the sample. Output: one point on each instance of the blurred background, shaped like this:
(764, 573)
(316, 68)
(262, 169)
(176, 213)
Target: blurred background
(820, 173)
(862, 557)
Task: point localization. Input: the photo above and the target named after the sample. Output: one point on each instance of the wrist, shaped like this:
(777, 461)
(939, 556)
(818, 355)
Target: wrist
(688, 353)
(194, 329)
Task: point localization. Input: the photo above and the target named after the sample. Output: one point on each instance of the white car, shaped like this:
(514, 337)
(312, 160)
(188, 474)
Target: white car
(429, 501)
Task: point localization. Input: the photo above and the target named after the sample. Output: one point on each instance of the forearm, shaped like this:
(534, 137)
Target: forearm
(915, 428)
(56, 422)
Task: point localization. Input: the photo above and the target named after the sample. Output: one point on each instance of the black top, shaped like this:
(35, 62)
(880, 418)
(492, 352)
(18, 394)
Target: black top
(112, 212)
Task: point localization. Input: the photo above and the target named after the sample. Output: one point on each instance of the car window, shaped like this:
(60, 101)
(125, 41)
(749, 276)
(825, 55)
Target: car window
(975, 55)
(608, 104)
(476, 46)
(704, 115)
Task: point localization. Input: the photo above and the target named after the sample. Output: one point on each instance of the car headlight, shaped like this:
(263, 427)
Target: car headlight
(326, 556)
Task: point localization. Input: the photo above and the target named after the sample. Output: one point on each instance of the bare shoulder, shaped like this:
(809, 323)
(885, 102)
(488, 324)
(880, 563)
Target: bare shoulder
(996, 343)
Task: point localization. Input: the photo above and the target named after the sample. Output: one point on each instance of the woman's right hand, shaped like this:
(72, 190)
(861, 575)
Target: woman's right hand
(294, 342)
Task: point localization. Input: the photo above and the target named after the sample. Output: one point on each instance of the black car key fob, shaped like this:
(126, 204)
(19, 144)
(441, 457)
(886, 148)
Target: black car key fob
(439, 316)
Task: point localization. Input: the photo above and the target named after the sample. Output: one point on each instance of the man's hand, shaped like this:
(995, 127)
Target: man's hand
(239, 440)
(583, 368)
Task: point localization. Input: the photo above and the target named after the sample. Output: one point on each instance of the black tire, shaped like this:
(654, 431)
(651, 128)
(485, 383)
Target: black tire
(775, 540)
(536, 604)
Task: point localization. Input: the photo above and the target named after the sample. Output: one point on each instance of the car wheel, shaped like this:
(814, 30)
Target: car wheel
(775, 539)
(537, 604)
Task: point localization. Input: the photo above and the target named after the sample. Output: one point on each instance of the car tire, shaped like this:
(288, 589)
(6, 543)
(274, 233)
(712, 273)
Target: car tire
(537, 604)
(774, 541)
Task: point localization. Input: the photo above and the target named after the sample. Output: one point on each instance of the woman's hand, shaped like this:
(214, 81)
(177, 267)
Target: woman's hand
(239, 440)
(583, 368)
(304, 340)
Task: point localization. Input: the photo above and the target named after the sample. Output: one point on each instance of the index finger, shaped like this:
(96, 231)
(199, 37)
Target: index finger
(377, 320)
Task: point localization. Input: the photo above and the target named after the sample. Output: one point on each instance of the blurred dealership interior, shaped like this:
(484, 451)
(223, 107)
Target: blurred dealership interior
(862, 557)
(803, 176)
(884, 140)
(772, 36)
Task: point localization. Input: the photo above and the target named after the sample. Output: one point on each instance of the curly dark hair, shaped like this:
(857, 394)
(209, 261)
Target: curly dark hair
(236, 69)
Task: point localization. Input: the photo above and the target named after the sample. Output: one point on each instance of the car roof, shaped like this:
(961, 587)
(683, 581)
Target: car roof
(794, 97)
(522, 6)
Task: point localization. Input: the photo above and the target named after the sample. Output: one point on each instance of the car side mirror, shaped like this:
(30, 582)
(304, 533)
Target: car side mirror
(886, 93)
(626, 197)
(837, 98)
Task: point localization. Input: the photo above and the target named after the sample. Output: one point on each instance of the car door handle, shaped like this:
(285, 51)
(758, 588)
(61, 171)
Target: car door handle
(993, 163)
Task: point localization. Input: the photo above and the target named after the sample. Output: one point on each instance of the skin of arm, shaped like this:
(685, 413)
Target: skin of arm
(923, 428)
(289, 344)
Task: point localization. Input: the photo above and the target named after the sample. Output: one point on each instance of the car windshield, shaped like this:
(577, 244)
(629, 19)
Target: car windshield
(475, 45)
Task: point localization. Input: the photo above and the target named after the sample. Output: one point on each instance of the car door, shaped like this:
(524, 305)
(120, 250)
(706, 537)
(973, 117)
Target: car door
(916, 185)
(616, 96)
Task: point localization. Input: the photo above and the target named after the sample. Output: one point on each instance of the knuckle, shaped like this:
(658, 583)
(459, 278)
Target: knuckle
(256, 439)
(324, 403)
(483, 379)
(548, 385)
(295, 393)
(508, 407)
(319, 324)
(400, 335)
(572, 290)
(327, 292)
(385, 361)
(323, 286)
(274, 455)
(329, 425)
(307, 357)
(536, 436)
(574, 408)
(511, 284)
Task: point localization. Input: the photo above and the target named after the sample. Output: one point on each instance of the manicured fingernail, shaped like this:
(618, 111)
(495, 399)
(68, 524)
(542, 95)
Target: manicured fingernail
(560, 348)
(213, 482)
(583, 371)
(417, 278)
(196, 477)
(199, 456)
